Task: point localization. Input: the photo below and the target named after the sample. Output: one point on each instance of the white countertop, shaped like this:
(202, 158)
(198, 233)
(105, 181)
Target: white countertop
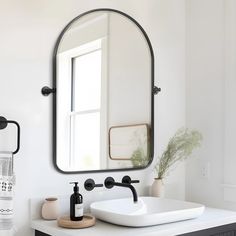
(211, 218)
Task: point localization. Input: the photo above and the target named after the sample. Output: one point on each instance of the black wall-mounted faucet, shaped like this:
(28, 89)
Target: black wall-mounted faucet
(89, 185)
(110, 183)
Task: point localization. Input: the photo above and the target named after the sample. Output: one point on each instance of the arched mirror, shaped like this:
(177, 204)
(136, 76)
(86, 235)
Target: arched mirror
(103, 73)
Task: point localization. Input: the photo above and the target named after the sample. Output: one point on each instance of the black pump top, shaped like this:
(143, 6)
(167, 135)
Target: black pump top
(76, 188)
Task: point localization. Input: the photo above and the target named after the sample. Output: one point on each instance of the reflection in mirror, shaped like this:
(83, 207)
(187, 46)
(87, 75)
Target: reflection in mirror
(104, 79)
(129, 144)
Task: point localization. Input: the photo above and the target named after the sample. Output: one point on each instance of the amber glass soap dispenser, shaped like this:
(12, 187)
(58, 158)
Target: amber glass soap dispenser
(76, 204)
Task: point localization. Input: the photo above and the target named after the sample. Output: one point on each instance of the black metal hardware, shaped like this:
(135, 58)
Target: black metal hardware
(156, 90)
(89, 185)
(127, 180)
(3, 124)
(110, 183)
(46, 90)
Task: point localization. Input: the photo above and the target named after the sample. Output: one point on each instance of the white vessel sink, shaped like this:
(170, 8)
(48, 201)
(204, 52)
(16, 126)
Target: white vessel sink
(146, 212)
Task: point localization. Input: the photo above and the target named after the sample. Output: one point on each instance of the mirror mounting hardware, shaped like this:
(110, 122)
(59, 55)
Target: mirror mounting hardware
(156, 90)
(89, 185)
(46, 90)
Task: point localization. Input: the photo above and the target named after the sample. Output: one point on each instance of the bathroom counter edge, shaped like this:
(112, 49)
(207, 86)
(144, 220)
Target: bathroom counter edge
(211, 218)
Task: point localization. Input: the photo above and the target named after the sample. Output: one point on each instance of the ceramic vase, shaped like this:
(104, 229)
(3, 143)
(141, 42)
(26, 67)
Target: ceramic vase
(157, 188)
(50, 209)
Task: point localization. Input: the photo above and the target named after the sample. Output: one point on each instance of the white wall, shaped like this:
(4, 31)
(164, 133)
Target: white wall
(211, 62)
(28, 32)
(229, 104)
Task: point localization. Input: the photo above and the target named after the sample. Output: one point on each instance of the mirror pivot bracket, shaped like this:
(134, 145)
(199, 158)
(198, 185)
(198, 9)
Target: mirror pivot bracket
(156, 90)
(46, 90)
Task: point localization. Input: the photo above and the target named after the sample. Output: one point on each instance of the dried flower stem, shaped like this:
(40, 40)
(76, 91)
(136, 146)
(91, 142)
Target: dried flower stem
(179, 148)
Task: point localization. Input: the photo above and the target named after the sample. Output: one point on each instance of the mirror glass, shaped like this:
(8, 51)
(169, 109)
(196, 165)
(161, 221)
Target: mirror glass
(103, 107)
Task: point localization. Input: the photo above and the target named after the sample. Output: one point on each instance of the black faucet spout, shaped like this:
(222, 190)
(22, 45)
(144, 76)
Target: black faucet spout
(109, 183)
(131, 187)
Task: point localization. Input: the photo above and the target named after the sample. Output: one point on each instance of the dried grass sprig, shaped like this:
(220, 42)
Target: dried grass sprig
(179, 148)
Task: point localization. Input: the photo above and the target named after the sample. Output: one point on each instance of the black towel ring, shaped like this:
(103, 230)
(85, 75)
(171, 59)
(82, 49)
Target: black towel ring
(3, 124)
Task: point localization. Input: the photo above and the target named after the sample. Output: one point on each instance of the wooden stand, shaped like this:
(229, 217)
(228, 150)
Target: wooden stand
(65, 222)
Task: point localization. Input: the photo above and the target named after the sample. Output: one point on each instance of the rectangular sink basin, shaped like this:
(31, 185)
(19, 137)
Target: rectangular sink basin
(147, 211)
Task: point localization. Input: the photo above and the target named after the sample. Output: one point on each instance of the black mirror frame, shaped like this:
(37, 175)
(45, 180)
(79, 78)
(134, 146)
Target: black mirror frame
(153, 92)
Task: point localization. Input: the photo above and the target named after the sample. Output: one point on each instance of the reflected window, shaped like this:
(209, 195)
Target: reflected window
(86, 104)
(86, 82)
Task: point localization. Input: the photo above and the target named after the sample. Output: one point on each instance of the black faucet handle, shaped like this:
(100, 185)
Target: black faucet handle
(89, 185)
(109, 182)
(127, 180)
